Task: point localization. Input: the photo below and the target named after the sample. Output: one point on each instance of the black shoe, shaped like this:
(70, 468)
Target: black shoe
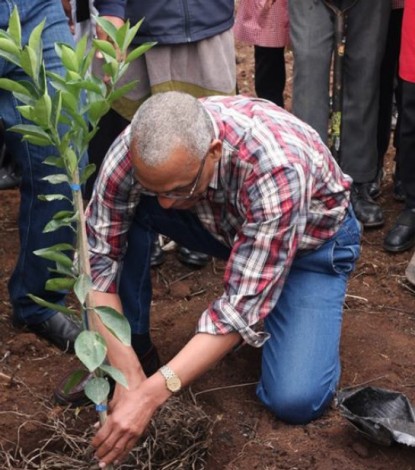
(398, 192)
(375, 185)
(366, 209)
(59, 330)
(158, 256)
(9, 179)
(192, 258)
(75, 396)
(402, 235)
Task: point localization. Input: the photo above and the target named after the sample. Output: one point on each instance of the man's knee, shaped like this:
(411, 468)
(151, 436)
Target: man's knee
(295, 405)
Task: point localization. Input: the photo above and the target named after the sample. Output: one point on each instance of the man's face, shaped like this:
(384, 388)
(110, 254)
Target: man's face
(182, 180)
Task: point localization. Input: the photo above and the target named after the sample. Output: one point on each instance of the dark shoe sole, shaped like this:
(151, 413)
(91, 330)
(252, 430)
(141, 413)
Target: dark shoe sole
(399, 248)
(372, 224)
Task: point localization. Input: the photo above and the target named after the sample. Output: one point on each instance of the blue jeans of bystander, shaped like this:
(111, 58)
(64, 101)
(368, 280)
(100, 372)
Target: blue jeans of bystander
(31, 272)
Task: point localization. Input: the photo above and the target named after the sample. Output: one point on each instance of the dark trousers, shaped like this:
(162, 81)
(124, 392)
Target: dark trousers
(110, 126)
(388, 84)
(407, 142)
(270, 73)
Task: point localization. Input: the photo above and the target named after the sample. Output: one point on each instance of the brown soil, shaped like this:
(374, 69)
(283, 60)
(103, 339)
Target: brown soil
(377, 349)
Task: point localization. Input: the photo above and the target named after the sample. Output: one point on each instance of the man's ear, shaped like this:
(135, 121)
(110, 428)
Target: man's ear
(215, 149)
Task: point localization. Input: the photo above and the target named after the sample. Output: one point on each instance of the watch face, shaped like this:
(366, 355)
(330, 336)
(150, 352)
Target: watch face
(173, 384)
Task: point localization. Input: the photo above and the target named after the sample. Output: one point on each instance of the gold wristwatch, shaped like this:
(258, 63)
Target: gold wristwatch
(173, 382)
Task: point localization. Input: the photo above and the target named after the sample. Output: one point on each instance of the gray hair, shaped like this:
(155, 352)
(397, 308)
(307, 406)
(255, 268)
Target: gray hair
(166, 121)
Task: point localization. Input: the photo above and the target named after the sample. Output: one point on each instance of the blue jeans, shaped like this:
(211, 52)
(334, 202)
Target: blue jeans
(312, 38)
(300, 361)
(31, 272)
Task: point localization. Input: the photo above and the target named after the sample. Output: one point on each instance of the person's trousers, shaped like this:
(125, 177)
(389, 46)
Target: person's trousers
(407, 142)
(32, 272)
(270, 73)
(312, 37)
(388, 83)
(300, 361)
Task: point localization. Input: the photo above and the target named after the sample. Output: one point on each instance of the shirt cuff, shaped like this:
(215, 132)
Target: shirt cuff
(230, 321)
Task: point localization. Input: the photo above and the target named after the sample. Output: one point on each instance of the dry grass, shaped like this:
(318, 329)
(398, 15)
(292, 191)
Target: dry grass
(178, 438)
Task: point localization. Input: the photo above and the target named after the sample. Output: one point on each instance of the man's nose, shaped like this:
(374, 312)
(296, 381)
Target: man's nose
(165, 202)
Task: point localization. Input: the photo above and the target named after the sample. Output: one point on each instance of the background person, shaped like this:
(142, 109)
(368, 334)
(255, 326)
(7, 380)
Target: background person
(31, 271)
(264, 25)
(312, 39)
(401, 237)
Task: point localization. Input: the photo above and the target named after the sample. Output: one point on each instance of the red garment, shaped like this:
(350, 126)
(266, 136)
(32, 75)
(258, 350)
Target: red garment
(260, 23)
(407, 55)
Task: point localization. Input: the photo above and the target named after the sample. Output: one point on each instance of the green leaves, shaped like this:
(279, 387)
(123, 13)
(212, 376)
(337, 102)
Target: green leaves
(116, 323)
(91, 349)
(55, 253)
(67, 120)
(14, 29)
(97, 390)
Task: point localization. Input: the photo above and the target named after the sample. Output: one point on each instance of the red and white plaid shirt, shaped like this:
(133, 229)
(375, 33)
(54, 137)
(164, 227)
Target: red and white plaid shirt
(276, 192)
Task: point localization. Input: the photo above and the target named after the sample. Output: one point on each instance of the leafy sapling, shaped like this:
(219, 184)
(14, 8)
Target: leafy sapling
(67, 119)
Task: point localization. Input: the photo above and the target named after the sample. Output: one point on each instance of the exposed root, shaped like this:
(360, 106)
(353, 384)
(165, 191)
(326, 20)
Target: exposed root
(178, 438)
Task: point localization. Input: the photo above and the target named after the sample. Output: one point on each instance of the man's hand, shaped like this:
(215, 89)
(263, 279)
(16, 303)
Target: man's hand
(130, 413)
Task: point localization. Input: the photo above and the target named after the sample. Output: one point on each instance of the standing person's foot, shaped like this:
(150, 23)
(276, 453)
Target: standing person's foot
(398, 192)
(192, 258)
(375, 185)
(401, 237)
(59, 330)
(366, 209)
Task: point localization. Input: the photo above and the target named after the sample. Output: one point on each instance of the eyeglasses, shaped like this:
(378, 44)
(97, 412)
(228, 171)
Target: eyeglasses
(178, 194)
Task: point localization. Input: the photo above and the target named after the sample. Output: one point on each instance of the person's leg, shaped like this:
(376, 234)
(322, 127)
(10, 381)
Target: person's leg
(135, 281)
(388, 72)
(32, 272)
(401, 237)
(311, 32)
(365, 45)
(270, 73)
(300, 362)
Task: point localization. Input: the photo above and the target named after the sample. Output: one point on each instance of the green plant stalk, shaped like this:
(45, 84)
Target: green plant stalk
(47, 114)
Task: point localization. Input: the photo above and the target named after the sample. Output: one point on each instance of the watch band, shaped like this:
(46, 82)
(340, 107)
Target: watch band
(173, 382)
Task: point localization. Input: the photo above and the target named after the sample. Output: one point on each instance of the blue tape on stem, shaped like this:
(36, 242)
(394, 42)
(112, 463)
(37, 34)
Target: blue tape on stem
(101, 408)
(75, 187)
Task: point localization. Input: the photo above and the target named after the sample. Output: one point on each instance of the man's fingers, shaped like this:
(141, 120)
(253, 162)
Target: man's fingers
(115, 445)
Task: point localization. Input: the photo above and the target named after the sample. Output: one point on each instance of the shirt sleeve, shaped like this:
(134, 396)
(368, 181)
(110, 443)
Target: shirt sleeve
(111, 7)
(109, 215)
(261, 256)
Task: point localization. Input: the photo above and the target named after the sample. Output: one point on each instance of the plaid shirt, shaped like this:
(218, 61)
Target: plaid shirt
(276, 192)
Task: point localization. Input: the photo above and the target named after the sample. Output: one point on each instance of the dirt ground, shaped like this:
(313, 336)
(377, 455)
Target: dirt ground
(376, 349)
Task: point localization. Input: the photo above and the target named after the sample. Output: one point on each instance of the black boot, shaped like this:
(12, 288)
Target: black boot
(366, 209)
(401, 237)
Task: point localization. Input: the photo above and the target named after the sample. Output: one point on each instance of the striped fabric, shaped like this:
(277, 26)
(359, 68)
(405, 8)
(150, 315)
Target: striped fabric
(277, 191)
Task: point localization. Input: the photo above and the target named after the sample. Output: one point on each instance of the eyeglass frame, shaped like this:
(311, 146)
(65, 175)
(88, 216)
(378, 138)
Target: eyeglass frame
(177, 196)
